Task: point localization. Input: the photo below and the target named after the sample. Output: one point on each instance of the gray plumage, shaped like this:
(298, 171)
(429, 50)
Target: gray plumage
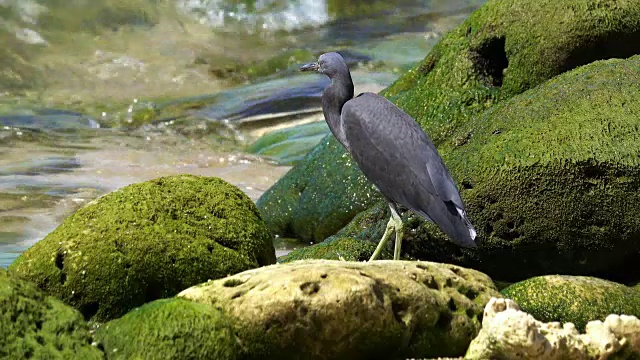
(393, 152)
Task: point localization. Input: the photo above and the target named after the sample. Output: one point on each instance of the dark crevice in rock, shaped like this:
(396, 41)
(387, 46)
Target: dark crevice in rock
(610, 46)
(60, 260)
(232, 283)
(310, 288)
(490, 60)
(88, 310)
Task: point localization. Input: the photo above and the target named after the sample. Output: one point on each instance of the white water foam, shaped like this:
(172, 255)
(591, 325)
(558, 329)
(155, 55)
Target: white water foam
(267, 15)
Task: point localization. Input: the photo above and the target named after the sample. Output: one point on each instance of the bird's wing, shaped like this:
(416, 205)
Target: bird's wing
(395, 154)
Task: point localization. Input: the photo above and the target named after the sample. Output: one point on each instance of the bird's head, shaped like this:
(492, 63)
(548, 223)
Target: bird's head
(330, 64)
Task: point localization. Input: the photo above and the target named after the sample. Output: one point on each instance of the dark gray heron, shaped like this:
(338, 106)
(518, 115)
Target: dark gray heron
(394, 154)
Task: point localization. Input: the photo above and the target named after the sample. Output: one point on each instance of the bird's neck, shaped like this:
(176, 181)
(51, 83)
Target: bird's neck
(333, 99)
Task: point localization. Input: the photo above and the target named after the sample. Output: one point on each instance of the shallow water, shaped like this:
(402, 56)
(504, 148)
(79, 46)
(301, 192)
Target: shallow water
(108, 93)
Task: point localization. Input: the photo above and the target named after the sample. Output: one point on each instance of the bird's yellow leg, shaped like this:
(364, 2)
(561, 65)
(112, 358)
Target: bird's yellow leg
(399, 233)
(385, 237)
(394, 224)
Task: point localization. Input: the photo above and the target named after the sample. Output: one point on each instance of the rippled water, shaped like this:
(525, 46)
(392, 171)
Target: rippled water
(101, 94)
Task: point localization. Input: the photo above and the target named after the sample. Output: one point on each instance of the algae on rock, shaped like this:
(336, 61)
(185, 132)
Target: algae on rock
(35, 325)
(502, 49)
(509, 333)
(147, 241)
(170, 329)
(575, 299)
(317, 197)
(322, 309)
(550, 180)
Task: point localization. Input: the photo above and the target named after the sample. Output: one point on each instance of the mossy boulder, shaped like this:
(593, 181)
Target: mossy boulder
(550, 180)
(317, 197)
(322, 309)
(37, 326)
(575, 299)
(333, 248)
(170, 329)
(506, 47)
(502, 49)
(147, 241)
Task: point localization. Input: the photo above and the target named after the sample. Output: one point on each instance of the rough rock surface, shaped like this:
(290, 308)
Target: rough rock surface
(550, 180)
(37, 326)
(351, 310)
(173, 329)
(575, 299)
(508, 333)
(147, 241)
(502, 49)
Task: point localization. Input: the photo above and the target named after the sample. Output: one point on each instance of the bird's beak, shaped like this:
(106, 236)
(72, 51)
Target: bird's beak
(310, 67)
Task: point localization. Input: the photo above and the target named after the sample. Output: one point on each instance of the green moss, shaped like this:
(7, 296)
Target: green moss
(333, 248)
(460, 78)
(34, 325)
(318, 197)
(170, 329)
(148, 241)
(507, 47)
(549, 178)
(573, 299)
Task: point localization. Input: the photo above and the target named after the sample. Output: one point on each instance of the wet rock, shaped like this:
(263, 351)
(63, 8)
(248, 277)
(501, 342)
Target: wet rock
(148, 241)
(549, 178)
(317, 197)
(575, 299)
(508, 333)
(290, 146)
(37, 326)
(350, 310)
(334, 248)
(501, 50)
(170, 329)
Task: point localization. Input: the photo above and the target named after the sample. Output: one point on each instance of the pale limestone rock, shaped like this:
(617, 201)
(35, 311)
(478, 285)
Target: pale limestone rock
(508, 333)
(323, 309)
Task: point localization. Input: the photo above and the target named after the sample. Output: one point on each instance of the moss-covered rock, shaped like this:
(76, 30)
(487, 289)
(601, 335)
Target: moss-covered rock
(323, 309)
(317, 197)
(34, 325)
(550, 180)
(509, 333)
(148, 241)
(334, 248)
(506, 47)
(170, 329)
(501, 50)
(575, 299)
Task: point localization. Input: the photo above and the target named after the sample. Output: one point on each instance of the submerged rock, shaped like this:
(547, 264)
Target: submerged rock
(350, 310)
(37, 326)
(501, 50)
(508, 333)
(290, 146)
(575, 299)
(148, 241)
